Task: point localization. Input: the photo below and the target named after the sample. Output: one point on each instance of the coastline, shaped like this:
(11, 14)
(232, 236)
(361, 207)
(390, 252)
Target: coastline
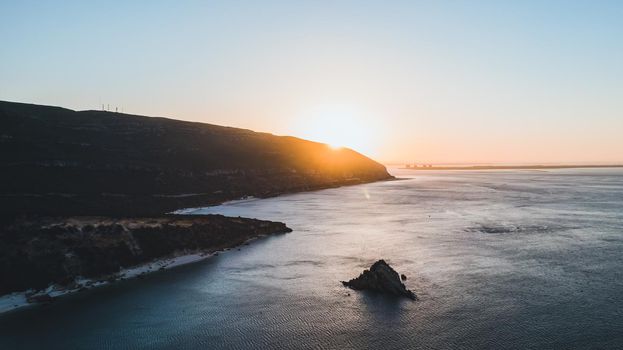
(98, 251)
(511, 167)
(18, 300)
(32, 298)
(192, 209)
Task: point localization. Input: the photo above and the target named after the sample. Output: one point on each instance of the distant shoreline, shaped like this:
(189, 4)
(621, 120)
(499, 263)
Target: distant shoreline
(510, 167)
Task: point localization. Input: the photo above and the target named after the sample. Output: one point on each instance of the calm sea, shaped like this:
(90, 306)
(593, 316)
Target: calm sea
(499, 259)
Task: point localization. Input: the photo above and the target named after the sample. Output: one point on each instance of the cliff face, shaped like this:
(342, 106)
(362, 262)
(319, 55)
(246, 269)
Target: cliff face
(38, 252)
(55, 161)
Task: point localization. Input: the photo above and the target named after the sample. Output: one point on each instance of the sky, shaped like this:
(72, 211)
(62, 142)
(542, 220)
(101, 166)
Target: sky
(400, 81)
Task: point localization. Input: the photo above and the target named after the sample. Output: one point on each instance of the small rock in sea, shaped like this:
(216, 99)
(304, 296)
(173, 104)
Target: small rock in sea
(381, 278)
(403, 277)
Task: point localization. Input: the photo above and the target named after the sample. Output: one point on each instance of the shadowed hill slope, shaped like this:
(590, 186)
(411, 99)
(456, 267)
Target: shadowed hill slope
(55, 161)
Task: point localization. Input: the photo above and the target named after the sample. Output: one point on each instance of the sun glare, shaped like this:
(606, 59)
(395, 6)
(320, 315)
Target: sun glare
(338, 127)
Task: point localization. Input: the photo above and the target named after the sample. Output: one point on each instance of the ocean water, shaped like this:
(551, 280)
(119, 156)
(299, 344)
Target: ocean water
(499, 260)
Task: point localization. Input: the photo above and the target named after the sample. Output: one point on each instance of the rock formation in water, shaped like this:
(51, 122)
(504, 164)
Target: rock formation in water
(381, 278)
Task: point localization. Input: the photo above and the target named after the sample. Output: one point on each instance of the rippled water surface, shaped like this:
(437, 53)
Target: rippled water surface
(499, 259)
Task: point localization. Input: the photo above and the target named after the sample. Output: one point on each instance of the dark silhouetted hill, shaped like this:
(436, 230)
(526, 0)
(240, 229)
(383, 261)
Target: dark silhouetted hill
(55, 161)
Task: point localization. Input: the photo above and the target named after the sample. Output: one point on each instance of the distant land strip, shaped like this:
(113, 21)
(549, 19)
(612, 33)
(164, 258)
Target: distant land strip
(510, 167)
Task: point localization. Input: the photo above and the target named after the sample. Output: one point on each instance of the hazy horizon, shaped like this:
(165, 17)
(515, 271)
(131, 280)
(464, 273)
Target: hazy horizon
(442, 83)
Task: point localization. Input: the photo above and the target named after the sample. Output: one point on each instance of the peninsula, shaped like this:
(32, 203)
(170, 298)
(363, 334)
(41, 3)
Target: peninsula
(55, 161)
(85, 196)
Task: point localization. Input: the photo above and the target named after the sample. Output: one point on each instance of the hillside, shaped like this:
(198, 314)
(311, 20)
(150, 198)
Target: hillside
(55, 161)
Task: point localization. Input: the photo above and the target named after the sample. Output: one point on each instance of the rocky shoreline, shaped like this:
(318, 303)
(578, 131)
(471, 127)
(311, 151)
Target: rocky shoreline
(84, 193)
(45, 258)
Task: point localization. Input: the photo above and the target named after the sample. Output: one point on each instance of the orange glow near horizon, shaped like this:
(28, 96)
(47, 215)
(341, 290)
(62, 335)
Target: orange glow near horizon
(408, 82)
(339, 126)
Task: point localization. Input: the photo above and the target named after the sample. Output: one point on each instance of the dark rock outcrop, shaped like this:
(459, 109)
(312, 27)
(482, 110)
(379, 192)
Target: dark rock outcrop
(381, 278)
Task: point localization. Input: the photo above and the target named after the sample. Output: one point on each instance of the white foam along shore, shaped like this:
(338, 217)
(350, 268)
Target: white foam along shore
(13, 301)
(18, 300)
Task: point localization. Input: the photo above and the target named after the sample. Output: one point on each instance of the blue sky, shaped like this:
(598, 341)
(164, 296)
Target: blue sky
(430, 81)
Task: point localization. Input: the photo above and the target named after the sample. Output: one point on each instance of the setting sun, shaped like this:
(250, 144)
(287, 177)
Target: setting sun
(339, 126)
(342, 174)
